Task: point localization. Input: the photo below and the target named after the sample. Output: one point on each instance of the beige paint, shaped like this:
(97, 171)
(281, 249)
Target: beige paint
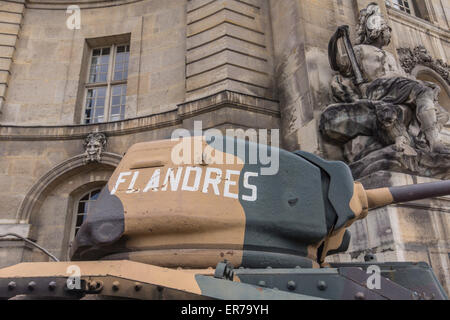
(181, 219)
(379, 197)
(174, 279)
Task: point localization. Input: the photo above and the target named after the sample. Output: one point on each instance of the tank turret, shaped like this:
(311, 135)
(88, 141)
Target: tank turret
(253, 205)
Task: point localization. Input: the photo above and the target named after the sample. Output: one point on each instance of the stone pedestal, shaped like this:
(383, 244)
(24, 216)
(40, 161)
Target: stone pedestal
(414, 231)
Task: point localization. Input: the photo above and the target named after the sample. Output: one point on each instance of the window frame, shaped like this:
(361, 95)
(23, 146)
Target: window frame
(76, 203)
(402, 7)
(110, 82)
(421, 11)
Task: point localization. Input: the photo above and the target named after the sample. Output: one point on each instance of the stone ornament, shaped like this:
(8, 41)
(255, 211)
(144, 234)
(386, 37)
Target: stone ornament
(409, 59)
(384, 118)
(94, 145)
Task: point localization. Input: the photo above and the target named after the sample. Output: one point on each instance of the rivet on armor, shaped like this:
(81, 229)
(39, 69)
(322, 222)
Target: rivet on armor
(291, 285)
(52, 285)
(360, 296)
(31, 285)
(322, 285)
(12, 285)
(115, 285)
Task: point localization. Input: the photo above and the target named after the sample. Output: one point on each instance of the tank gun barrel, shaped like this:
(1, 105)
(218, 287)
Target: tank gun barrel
(385, 196)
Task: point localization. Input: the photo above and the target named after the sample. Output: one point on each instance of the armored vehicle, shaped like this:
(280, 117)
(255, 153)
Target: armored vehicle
(224, 218)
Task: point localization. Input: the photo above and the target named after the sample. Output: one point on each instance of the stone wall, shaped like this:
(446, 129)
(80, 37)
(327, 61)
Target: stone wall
(50, 57)
(229, 46)
(11, 14)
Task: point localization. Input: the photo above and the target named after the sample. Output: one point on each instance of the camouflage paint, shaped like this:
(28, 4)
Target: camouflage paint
(224, 211)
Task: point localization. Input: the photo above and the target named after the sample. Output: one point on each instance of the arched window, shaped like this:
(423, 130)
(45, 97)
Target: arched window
(83, 206)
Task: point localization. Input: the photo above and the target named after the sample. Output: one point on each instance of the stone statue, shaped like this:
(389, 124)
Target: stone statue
(94, 145)
(380, 108)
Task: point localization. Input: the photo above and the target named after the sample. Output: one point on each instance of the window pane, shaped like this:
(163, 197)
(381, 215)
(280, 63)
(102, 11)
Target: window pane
(102, 77)
(84, 206)
(118, 100)
(99, 65)
(95, 105)
(101, 92)
(104, 60)
(117, 90)
(121, 63)
(95, 194)
(100, 102)
(115, 117)
(81, 207)
(88, 114)
(80, 219)
(99, 112)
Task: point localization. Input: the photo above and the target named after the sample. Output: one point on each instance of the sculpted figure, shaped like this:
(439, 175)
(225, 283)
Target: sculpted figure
(391, 130)
(94, 145)
(381, 78)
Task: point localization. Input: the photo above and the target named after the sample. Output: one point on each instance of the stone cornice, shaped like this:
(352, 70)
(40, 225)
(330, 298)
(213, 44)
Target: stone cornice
(74, 132)
(224, 99)
(83, 4)
(229, 99)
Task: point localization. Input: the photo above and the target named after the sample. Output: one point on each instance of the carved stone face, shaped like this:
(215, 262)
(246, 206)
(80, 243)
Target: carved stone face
(94, 145)
(387, 115)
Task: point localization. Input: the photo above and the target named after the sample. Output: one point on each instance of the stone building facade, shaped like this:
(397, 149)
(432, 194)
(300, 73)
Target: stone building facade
(230, 63)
